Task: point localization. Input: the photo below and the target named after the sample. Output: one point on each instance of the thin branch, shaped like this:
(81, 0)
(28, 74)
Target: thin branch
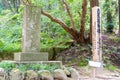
(84, 10)
(69, 13)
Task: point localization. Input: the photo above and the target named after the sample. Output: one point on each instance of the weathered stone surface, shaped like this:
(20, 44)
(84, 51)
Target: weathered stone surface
(59, 74)
(31, 75)
(70, 79)
(31, 56)
(45, 75)
(67, 72)
(16, 74)
(2, 74)
(74, 74)
(31, 29)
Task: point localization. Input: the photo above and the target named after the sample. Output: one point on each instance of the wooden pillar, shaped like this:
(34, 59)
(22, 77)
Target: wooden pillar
(96, 40)
(96, 32)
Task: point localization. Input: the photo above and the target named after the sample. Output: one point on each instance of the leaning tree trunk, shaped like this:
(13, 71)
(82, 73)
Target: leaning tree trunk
(92, 4)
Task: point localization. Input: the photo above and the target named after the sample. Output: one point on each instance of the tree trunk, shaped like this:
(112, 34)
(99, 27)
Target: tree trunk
(82, 27)
(77, 36)
(92, 4)
(119, 15)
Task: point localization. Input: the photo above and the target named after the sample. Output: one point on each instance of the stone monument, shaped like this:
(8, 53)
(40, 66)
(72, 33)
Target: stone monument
(31, 36)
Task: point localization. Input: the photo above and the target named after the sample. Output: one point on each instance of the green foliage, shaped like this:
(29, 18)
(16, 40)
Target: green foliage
(24, 67)
(109, 15)
(51, 34)
(83, 62)
(1, 43)
(7, 65)
(10, 32)
(111, 67)
(115, 38)
(1, 6)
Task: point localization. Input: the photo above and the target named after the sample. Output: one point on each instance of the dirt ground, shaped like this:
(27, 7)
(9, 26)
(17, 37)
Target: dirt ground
(111, 49)
(86, 73)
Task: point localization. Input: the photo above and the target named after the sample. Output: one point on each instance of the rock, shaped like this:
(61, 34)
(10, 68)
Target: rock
(45, 75)
(67, 72)
(74, 74)
(31, 75)
(16, 74)
(59, 74)
(70, 79)
(2, 74)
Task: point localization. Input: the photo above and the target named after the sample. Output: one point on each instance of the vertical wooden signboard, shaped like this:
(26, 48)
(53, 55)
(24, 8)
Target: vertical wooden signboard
(96, 35)
(96, 40)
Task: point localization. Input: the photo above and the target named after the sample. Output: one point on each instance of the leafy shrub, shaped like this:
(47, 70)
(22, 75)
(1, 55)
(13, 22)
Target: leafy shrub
(36, 67)
(111, 67)
(7, 65)
(115, 38)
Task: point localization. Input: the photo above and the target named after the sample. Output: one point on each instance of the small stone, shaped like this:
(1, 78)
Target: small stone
(59, 74)
(74, 74)
(45, 75)
(16, 74)
(31, 75)
(67, 72)
(2, 74)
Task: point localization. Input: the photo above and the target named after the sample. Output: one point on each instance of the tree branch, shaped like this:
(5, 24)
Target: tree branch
(56, 20)
(84, 10)
(71, 31)
(69, 13)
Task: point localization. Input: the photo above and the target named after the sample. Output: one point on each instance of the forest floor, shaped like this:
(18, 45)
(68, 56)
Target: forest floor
(79, 55)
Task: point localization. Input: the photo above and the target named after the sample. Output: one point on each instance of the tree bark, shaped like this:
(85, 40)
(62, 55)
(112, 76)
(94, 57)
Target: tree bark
(78, 37)
(82, 27)
(119, 15)
(69, 13)
(71, 31)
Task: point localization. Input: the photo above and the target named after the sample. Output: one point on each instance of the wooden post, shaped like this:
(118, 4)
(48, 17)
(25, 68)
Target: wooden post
(96, 39)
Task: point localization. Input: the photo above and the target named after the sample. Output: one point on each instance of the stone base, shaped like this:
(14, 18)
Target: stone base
(42, 56)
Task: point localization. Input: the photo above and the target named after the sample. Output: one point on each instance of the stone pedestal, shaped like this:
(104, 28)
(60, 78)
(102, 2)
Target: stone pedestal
(31, 56)
(31, 39)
